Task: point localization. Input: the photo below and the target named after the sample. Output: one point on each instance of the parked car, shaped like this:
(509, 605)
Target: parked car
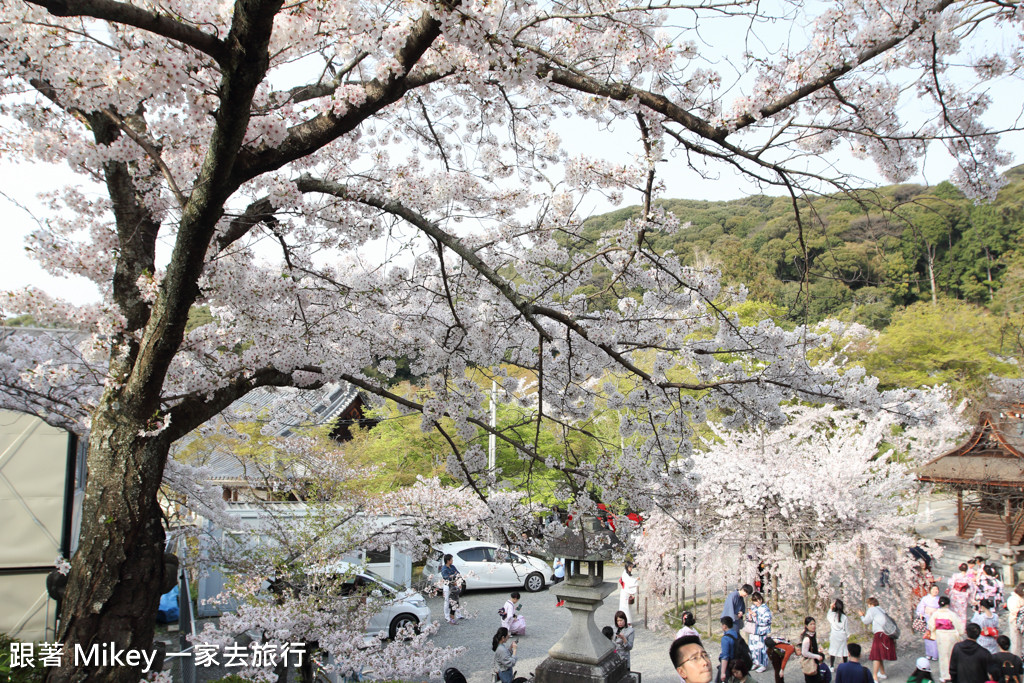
(486, 565)
(397, 606)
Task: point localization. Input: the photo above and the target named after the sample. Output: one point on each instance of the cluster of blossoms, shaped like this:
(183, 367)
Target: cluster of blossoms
(389, 183)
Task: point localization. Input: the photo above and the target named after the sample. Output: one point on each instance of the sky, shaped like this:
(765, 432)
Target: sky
(19, 183)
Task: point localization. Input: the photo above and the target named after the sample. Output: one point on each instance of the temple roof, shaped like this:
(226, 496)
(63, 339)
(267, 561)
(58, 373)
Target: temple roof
(992, 456)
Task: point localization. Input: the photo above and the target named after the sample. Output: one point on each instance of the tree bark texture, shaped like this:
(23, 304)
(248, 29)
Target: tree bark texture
(114, 585)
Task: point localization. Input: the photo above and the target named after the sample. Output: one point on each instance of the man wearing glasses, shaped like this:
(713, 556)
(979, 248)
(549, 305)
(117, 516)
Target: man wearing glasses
(690, 660)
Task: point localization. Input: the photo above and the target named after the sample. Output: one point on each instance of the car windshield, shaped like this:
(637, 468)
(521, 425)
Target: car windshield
(380, 579)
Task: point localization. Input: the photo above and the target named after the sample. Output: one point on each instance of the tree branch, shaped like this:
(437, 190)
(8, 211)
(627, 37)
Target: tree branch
(129, 15)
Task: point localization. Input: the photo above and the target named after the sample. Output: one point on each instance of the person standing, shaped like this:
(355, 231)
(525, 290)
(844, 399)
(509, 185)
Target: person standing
(504, 655)
(623, 637)
(947, 628)
(990, 586)
(514, 622)
(853, 671)
(883, 648)
(690, 660)
(761, 617)
(1013, 605)
(840, 633)
(1006, 666)
(809, 652)
(970, 662)
(628, 589)
(452, 582)
(989, 623)
(960, 591)
(928, 604)
(730, 636)
(735, 607)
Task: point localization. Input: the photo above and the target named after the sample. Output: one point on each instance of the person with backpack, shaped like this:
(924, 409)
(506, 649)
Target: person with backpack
(883, 644)
(1006, 666)
(810, 655)
(733, 647)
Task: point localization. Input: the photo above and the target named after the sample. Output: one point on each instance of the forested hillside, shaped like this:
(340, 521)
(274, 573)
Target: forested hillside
(862, 257)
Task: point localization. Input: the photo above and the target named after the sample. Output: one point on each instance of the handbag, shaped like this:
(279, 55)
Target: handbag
(809, 666)
(632, 599)
(919, 624)
(750, 627)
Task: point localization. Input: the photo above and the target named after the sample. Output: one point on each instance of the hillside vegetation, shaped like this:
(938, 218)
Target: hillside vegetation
(862, 258)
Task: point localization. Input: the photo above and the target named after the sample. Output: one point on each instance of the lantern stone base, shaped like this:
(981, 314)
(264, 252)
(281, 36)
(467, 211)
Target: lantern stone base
(583, 655)
(612, 669)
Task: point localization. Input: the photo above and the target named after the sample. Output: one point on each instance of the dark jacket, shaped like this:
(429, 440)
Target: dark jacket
(853, 672)
(969, 663)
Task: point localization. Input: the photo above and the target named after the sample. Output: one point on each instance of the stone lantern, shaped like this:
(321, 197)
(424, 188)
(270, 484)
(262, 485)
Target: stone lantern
(583, 655)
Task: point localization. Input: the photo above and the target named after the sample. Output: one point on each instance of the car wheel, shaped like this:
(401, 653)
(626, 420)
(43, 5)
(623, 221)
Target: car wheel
(400, 622)
(534, 582)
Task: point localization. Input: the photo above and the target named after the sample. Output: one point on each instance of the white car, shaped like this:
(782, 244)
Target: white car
(486, 565)
(397, 606)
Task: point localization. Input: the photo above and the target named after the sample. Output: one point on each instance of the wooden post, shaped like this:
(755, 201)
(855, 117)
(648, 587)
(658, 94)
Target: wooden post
(960, 513)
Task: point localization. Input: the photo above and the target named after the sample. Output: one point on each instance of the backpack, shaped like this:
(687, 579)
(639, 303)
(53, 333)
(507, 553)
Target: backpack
(890, 627)
(1008, 672)
(453, 675)
(741, 651)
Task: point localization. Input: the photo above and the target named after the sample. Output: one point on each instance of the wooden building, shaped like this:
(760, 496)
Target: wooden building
(987, 474)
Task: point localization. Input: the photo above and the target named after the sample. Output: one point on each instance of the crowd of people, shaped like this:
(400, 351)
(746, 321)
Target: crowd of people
(963, 634)
(986, 647)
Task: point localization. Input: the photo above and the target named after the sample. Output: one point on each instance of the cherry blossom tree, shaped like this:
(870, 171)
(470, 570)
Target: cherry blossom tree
(238, 155)
(826, 501)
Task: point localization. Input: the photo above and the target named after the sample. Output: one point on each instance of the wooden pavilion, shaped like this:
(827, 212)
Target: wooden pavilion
(987, 473)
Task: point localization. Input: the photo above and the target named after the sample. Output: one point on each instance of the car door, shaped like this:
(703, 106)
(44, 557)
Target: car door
(379, 601)
(476, 560)
(506, 570)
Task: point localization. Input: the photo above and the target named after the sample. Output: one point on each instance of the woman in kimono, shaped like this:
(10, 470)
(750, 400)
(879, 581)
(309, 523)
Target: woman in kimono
(928, 604)
(761, 616)
(990, 586)
(989, 623)
(960, 592)
(947, 628)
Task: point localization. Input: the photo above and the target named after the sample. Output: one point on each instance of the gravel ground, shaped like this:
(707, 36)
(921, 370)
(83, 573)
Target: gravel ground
(545, 625)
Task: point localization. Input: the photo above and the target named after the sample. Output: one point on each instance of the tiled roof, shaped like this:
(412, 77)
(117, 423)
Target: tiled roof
(281, 410)
(992, 456)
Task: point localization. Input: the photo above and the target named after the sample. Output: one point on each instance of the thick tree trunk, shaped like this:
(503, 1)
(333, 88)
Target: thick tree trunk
(116, 575)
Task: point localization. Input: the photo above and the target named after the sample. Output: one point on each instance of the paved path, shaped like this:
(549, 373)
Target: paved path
(545, 624)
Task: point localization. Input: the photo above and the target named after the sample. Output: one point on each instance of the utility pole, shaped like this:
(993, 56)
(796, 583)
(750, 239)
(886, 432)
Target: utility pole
(491, 438)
